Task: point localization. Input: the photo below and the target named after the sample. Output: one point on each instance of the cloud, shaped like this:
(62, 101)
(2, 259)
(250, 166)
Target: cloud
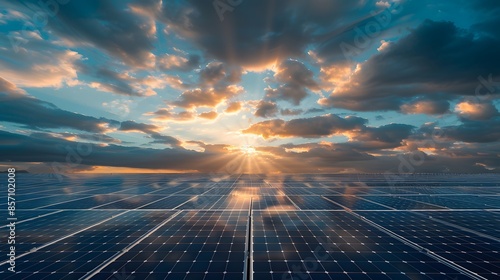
(44, 115)
(125, 83)
(212, 115)
(436, 61)
(291, 112)
(218, 82)
(257, 33)
(233, 107)
(476, 110)
(314, 127)
(266, 109)
(429, 107)
(175, 62)
(295, 80)
(168, 115)
(9, 88)
(384, 137)
(209, 97)
(132, 126)
(116, 29)
(37, 63)
(474, 131)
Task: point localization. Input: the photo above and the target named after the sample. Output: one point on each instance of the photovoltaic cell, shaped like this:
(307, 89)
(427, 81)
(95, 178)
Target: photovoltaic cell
(195, 226)
(193, 245)
(356, 203)
(400, 203)
(475, 253)
(77, 255)
(333, 245)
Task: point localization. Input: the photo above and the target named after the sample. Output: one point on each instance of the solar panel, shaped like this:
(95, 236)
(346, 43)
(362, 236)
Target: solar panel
(193, 245)
(475, 253)
(194, 226)
(83, 251)
(332, 245)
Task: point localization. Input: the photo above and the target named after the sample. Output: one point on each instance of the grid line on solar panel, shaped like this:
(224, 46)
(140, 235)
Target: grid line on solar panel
(23, 216)
(444, 202)
(314, 202)
(356, 203)
(87, 249)
(400, 203)
(327, 244)
(55, 228)
(270, 203)
(199, 244)
(491, 202)
(475, 254)
(484, 223)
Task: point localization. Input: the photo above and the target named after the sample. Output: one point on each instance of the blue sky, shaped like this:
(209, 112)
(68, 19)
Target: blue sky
(266, 86)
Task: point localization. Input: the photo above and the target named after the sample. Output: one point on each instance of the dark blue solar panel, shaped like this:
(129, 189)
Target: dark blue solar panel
(475, 253)
(195, 226)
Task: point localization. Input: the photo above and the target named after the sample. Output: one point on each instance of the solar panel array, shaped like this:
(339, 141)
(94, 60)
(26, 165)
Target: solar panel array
(195, 226)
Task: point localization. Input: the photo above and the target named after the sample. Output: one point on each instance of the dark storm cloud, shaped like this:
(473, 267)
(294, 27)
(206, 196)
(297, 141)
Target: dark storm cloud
(266, 109)
(108, 25)
(314, 127)
(258, 32)
(437, 60)
(37, 114)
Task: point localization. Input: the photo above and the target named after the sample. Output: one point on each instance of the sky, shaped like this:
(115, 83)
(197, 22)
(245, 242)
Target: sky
(250, 86)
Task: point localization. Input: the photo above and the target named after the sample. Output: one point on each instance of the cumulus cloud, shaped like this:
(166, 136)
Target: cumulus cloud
(295, 80)
(37, 63)
(218, 83)
(476, 110)
(233, 107)
(168, 115)
(314, 127)
(285, 32)
(266, 109)
(291, 112)
(212, 115)
(176, 62)
(437, 61)
(429, 107)
(111, 27)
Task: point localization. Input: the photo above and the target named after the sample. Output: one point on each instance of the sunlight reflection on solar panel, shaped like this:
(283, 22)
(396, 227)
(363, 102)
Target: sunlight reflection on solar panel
(327, 245)
(164, 226)
(194, 244)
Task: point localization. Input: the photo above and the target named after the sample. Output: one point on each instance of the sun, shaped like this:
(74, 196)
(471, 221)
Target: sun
(248, 150)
